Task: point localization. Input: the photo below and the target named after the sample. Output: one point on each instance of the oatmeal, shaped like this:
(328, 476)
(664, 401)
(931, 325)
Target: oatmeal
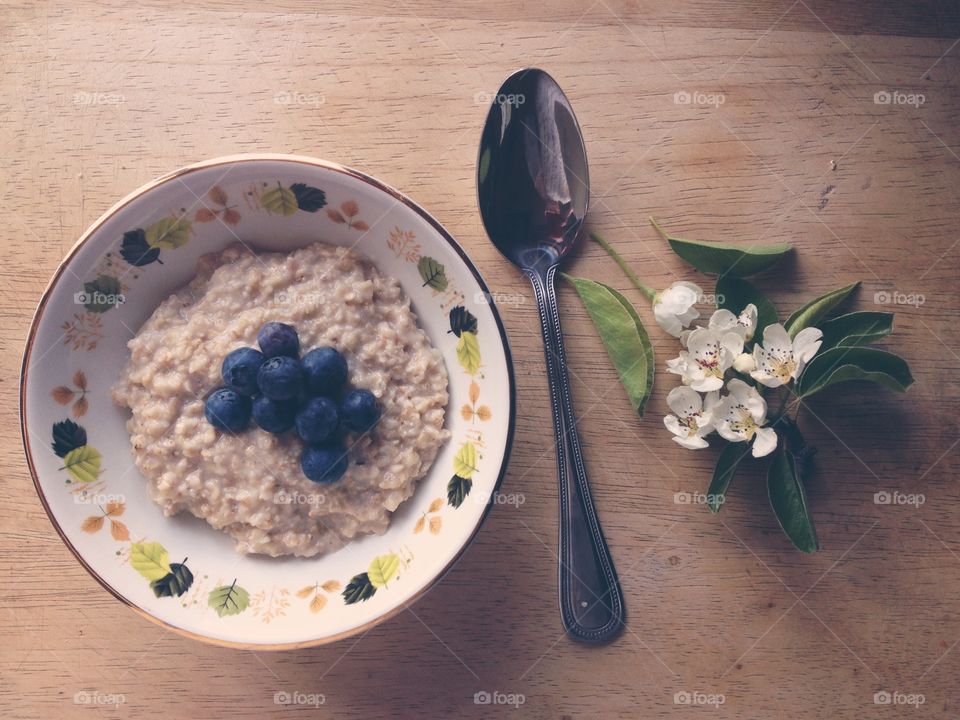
(250, 484)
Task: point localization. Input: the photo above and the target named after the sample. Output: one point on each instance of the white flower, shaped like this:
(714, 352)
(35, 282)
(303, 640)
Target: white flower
(779, 360)
(743, 324)
(674, 307)
(693, 416)
(708, 356)
(740, 415)
(744, 363)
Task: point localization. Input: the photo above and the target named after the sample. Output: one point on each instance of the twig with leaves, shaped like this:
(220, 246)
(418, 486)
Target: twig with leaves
(729, 374)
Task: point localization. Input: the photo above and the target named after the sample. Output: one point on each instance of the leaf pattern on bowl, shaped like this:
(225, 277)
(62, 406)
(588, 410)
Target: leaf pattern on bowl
(284, 200)
(142, 246)
(347, 215)
(404, 245)
(113, 510)
(318, 594)
(217, 206)
(74, 395)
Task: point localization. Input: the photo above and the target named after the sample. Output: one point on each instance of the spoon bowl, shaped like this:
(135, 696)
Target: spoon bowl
(533, 182)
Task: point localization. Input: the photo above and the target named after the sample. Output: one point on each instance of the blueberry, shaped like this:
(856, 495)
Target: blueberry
(326, 371)
(274, 416)
(317, 420)
(323, 464)
(280, 378)
(239, 370)
(359, 410)
(226, 409)
(277, 338)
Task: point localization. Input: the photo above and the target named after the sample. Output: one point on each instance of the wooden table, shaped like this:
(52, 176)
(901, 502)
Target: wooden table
(782, 140)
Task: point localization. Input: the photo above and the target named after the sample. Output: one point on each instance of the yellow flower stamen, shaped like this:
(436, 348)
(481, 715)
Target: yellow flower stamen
(745, 424)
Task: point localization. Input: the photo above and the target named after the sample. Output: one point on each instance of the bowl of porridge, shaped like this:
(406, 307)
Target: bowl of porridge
(267, 401)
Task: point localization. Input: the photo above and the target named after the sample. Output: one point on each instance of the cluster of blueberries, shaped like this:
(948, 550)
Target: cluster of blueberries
(281, 391)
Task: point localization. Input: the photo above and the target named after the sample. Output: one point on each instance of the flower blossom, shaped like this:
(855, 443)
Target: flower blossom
(780, 360)
(708, 356)
(674, 308)
(740, 417)
(691, 417)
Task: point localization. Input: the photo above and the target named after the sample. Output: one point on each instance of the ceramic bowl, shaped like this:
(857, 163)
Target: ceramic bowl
(137, 254)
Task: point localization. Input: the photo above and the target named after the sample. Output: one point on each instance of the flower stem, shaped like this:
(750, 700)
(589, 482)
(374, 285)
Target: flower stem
(656, 226)
(797, 401)
(645, 289)
(793, 405)
(783, 403)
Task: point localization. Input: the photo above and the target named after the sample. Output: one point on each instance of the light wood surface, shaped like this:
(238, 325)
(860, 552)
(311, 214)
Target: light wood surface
(798, 151)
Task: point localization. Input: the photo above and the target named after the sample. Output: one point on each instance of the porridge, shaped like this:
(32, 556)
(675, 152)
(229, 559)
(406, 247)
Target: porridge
(254, 484)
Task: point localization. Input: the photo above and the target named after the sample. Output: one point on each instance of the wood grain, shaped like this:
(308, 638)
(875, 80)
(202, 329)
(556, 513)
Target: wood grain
(798, 151)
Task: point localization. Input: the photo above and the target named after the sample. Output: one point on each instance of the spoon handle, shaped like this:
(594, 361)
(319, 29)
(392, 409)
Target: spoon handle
(591, 601)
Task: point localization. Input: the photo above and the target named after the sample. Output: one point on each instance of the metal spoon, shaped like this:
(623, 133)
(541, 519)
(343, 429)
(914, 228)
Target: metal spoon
(533, 191)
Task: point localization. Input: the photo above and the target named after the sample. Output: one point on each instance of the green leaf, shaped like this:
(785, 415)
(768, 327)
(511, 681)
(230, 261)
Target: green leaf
(83, 464)
(309, 198)
(789, 501)
(816, 310)
(457, 490)
(175, 583)
(468, 352)
(382, 569)
(67, 436)
(150, 560)
(168, 233)
(723, 473)
(432, 273)
(724, 258)
(841, 364)
(229, 599)
(359, 589)
(102, 294)
(735, 294)
(465, 461)
(856, 328)
(462, 320)
(279, 200)
(623, 336)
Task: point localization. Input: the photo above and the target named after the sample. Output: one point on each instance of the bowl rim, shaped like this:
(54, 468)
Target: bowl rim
(229, 160)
